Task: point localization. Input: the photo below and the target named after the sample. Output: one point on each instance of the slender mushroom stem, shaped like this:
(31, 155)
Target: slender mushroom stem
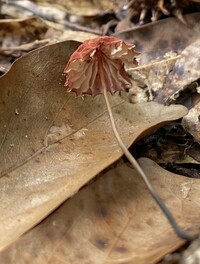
(180, 233)
(103, 49)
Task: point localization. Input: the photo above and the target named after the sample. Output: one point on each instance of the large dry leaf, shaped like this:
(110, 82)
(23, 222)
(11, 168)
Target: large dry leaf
(53, 143)
(113, 220)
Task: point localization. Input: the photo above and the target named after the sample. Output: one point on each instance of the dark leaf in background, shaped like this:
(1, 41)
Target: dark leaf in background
(156, 39)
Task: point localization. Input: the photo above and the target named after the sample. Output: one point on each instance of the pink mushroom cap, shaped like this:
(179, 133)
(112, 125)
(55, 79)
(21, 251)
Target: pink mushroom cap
(110, 53)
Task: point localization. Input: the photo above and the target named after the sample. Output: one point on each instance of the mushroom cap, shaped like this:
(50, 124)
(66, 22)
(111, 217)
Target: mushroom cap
(83, 68)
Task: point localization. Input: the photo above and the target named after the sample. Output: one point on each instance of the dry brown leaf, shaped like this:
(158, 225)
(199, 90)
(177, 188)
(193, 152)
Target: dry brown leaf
(30, 33)
(184, 72)
(53, 143)
(18, 36)
(113, 220)
(148, 80)
(159, 44)
(156, 39)
(21, 31)
(191, 122)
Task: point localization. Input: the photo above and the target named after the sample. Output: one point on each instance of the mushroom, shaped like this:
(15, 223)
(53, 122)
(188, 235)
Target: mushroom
(98, 67)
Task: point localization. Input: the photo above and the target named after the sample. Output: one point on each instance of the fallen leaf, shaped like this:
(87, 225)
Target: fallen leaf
(53, 143)
(148, 80)
(191, 122)
(113, 220)
(17, 32)
(157, 79)
(30, 33)
(156, 39)
(21, 31)
(194, 151)
(150, 11)
(184, 72)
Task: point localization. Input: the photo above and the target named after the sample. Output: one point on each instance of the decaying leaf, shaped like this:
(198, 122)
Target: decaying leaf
(148, 80)
(155, 40)
(21, 31)
(18, 36)
(30, 33)
(184, 72)
(53, 143)
(158, 7)
(113, 220)
(191, 122)
(164, 74)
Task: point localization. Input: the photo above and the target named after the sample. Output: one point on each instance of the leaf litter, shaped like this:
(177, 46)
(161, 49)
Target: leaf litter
(56, 132)
(37, 178)
(95, 226)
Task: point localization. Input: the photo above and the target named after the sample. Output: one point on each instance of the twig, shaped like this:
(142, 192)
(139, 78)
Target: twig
(154, 63)
(36, 11)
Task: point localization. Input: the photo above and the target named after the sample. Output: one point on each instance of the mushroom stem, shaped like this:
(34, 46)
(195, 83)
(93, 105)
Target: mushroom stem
(180, 233)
